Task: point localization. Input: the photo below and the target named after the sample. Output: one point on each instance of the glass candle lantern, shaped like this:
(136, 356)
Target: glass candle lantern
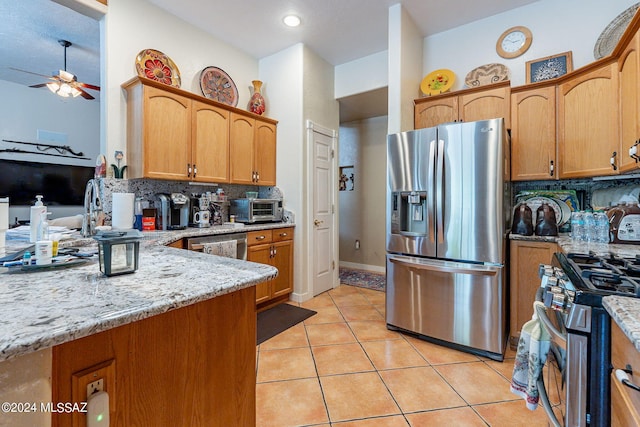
(118, 251)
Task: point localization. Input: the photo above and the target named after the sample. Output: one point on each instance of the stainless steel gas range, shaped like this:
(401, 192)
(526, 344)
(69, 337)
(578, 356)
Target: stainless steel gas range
(572, 290)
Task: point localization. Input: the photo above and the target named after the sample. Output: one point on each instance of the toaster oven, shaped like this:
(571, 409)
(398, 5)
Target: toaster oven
(256, 210)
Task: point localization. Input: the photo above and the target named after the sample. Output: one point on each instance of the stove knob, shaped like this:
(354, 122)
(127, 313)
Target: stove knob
(558, 301)
(545, 270)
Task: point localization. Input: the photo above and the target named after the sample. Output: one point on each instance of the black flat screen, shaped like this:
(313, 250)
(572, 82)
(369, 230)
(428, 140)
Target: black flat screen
(61, 185)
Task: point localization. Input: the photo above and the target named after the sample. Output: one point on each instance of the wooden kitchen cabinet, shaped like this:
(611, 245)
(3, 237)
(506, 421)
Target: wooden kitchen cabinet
(533, 133)
(158, 134)
(625, 402)
(629, 67)
(466, 105)
(177, 135)
(588, 122)
(275, 248)
(210, 143)
(206, 350)
(253, 151)
(526, 256)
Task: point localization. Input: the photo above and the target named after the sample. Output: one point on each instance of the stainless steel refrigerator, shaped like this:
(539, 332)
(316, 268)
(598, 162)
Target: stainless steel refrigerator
(448, 206)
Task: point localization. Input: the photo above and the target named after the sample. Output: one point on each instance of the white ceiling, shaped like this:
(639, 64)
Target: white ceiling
(337, 30)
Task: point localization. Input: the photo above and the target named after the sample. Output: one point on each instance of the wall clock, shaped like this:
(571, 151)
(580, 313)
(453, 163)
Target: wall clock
(514, 42)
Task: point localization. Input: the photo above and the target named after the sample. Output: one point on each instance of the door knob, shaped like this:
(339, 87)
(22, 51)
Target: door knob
(317, 222)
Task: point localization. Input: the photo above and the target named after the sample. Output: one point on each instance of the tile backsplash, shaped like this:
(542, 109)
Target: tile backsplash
(148, 188)
(583, 187)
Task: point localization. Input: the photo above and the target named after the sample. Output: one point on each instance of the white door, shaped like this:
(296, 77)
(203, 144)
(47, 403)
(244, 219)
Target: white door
(322, 248)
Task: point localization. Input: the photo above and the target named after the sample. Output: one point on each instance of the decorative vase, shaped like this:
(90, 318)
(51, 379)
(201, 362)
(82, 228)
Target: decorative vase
(256, 103)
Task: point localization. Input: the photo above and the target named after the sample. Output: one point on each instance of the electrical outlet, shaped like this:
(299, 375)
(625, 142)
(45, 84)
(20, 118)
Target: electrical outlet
(357, 244)
(95, 387)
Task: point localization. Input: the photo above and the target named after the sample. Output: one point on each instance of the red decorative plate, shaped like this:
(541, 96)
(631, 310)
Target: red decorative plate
(217, 85)
(155, 65)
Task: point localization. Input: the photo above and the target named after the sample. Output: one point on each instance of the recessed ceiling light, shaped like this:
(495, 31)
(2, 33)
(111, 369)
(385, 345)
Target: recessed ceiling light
(291, 20)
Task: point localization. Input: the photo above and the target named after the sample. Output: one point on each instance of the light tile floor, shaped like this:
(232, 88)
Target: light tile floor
(343, 368)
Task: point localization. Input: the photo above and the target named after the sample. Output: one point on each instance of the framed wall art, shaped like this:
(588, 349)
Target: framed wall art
(549, 67)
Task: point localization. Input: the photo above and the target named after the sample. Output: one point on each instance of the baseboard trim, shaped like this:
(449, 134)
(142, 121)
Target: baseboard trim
(365, 267)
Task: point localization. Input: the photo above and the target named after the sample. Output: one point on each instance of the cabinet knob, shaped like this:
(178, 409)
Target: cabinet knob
(612, 160)
(189, 170)
(551, 168)
(195, 170)
(283, 234)
(262, 237)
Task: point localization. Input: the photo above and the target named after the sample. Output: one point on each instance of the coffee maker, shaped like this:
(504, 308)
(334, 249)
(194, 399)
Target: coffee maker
(173, 212)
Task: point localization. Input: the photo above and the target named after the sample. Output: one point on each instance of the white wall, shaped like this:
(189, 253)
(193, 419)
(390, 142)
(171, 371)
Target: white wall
(362, 211)
(362, 75)
(24, 110)
(405, 68)
(282, 72)
(24, 379)
(302, 87)
(557, 26)
(134, 25)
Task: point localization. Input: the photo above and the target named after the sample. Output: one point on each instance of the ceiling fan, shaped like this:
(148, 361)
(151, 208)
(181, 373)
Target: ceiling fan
(65, 83)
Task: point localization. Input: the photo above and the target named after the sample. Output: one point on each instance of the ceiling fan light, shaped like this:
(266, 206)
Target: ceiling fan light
(53, 87)
(75, 92)
(65, 90)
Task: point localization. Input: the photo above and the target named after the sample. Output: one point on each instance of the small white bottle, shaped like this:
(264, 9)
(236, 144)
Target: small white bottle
(44, 252)
(34, 220)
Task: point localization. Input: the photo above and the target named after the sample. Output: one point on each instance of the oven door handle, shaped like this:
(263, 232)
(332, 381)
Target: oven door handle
(546, 404)
(556, 335)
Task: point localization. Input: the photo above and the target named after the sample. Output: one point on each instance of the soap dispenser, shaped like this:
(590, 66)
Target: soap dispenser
(34, 220)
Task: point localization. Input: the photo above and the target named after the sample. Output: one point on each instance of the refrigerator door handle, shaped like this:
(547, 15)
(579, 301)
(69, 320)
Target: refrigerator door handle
(449, 267)
(431, 202)
(440, 191)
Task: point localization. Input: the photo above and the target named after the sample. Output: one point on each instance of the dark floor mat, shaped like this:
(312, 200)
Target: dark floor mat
(280, 318)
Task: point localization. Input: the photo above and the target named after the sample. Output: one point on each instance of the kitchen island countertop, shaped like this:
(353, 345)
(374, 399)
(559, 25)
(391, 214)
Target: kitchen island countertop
(50, 307)
(625, 311)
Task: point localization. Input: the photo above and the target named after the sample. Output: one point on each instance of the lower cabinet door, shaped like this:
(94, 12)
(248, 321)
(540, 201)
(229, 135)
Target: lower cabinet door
(283, 261)
(262, 255)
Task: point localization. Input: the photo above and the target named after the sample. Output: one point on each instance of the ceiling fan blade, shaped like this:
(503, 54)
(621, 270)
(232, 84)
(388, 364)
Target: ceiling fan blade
(84, 94)
(29, 72)
(40, 85)
(88, 86)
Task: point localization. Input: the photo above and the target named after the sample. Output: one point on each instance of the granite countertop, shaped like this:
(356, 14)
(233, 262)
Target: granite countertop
(625, 311)
(568, 245)
(46, 308)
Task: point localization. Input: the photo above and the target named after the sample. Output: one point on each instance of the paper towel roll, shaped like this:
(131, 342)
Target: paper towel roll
(122, 216)
(4, 213)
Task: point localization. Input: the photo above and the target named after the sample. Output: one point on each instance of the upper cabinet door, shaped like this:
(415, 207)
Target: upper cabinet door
(487, 104)
(167, 134)
(265, 153)
(588, 127)
(241, 149)
(629, 66)
(210, 143)
(533, 135)
(432, 112)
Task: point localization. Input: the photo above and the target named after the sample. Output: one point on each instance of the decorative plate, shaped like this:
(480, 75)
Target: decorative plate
(217, 85)
(437, 81)
(487, 74)
(155, 65)
(611, 35)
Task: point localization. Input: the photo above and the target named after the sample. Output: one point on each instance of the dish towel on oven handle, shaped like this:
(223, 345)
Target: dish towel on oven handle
(228, 248)
(533, 348)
